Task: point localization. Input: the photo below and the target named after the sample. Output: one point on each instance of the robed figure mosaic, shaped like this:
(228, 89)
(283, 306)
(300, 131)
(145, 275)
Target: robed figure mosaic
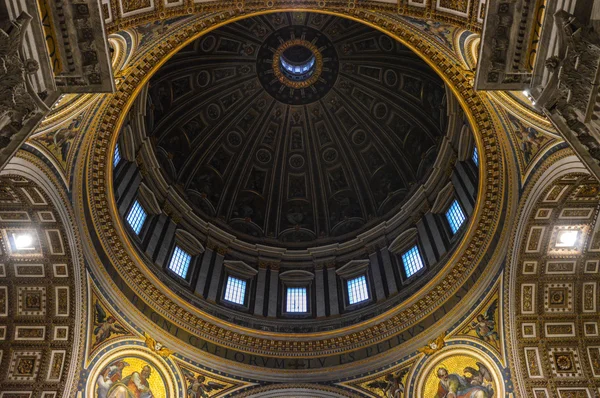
(474, 383)
(129, 378)
(460, 376)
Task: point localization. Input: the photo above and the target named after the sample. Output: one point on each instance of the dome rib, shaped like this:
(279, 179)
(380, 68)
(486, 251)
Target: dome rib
(276, 163)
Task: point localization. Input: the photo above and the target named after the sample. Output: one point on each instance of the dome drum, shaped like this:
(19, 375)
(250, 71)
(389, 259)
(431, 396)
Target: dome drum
(285, 184)
(314, 202)
(208, 272)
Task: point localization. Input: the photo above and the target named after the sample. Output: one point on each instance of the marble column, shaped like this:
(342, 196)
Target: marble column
(165, 246)
(464, 188)
(334, 307)
(320, 290)
(155, 234)
(273, 290)
(377, 280)
(216, 274)
(261, 280)
(388, 268)
(203, 274)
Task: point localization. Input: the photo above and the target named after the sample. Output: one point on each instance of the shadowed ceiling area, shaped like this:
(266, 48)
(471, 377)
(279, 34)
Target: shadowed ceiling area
(296, 160)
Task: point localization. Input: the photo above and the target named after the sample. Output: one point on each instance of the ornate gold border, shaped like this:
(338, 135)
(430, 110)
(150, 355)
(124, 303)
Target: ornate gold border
(40, 170)
(171, 385)
(525, 212)
(459, 349)
(101, 140)
(299, 84)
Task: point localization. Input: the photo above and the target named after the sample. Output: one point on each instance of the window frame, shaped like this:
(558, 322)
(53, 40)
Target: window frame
(347, 291)
(307, 303)
(464, 214)
(417, 273)
(475, 156)
(244, 302)
(297, 279)
(352, 270)
(239, 270)
(187, 278)
(145, 222)
(116, 160)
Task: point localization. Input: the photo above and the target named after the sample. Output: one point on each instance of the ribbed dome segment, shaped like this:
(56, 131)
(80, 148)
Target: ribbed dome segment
(293, 164)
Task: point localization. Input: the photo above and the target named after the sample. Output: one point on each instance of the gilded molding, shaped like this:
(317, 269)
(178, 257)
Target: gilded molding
(297, 84)
(100, 144)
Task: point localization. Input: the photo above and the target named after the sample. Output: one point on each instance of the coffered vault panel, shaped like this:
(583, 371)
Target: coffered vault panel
(554, 279)
(177, 320)
(280, 172)
(205, 346)
(38, 292)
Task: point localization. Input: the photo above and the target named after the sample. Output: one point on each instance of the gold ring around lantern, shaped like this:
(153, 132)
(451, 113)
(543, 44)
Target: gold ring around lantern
(283, 78)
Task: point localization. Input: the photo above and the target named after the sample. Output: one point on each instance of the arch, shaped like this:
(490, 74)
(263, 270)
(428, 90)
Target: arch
(94, 175)
(560, 164)
(28, 166)
(163, 367)
(296, 391)
(457, 350)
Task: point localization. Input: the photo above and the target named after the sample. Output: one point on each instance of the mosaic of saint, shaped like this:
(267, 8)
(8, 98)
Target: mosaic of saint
(460, 376)
(130, 377)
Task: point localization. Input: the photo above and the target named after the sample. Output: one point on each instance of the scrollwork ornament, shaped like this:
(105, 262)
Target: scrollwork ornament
(17, 104)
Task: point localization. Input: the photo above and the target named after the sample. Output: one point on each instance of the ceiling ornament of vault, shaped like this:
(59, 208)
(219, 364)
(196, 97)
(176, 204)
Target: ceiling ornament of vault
(348, 149)
(58, 136)
(531, 142)
(553, 327)
(464, 14)
(41, 279)
(135, 283)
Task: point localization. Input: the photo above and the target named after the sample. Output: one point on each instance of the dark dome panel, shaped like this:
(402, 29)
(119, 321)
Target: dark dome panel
(296, 129)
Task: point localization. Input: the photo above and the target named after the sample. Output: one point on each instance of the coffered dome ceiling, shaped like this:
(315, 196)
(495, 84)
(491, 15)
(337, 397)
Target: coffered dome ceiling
(296, 129)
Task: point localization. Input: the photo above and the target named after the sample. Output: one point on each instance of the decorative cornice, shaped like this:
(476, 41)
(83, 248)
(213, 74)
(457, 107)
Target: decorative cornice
(433, 294)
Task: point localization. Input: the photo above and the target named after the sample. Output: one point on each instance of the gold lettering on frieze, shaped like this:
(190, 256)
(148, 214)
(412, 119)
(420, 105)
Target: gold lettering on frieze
(50, 36)
(488, 214)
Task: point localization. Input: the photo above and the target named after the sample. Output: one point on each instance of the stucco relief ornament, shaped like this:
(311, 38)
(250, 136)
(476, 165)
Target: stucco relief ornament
(434, 345)
(567, 93)
(17, 105)
(392, 386)
(157, 347)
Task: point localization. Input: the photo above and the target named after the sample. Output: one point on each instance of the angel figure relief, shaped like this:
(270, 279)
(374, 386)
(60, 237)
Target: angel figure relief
(392, 387)
(485, 326)
(434, 345)
(105, 326)
(198, 387)
(157, 347)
